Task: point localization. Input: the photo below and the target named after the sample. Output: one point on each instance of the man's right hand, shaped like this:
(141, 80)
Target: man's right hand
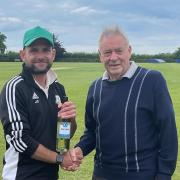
(76, 155)
(72, 159)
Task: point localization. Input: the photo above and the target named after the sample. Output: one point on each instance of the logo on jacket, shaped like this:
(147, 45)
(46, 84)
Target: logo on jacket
(57, 99)
(36, 98)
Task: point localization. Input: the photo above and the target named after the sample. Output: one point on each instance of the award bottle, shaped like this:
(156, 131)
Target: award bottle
(63, 133)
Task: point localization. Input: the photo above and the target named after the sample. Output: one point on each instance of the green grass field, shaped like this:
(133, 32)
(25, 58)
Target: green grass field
(76, 77)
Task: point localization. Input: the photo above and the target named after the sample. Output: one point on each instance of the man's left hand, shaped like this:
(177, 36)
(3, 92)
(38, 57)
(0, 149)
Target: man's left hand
(68, 111)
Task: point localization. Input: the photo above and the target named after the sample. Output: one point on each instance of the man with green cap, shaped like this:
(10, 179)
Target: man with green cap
(29, 113)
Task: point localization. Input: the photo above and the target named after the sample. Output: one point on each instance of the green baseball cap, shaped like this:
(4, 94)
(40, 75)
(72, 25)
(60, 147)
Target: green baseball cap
(35, 33)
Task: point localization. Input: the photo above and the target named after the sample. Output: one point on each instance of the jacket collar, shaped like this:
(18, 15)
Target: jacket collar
(27, 76)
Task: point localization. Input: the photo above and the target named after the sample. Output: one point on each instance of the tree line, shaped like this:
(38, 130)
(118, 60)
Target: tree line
(10, 56)
(62, 55)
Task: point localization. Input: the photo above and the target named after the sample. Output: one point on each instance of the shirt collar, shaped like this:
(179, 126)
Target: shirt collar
(129, 73)
(51, 77)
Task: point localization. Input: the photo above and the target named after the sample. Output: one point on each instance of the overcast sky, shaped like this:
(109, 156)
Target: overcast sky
(153, 26)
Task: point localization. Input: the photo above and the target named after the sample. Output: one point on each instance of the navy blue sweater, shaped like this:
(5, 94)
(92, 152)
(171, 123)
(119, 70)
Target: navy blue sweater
(131, 124)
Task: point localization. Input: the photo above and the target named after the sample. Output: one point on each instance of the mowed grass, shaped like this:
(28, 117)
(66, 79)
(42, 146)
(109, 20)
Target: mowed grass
(76, 77)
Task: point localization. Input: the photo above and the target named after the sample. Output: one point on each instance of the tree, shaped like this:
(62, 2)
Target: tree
(59, 49)
(177, 53)
(2, 43)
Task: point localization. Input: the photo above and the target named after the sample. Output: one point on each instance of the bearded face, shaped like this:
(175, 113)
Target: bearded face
(38, 57)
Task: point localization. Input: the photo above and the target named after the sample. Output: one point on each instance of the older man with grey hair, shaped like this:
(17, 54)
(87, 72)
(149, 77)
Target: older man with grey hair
(129, 118)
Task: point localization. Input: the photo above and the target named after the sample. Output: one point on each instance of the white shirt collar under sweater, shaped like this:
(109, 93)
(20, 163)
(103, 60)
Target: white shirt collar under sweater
(51, 77)
(130, 72)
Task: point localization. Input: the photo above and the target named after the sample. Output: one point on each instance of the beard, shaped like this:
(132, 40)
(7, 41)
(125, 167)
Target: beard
(33, 69)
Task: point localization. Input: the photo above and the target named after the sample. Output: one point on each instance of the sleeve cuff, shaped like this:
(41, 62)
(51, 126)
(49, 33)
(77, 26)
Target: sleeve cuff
(31, 149)
(78, 145)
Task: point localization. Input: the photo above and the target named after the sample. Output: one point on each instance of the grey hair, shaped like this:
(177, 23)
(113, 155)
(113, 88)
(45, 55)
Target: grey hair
(110, 31)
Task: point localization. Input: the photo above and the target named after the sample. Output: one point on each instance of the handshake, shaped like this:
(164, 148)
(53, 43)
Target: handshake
(72, 159)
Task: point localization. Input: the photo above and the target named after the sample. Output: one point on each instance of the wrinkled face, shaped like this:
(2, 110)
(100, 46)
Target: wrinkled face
(115, 54)
(38, 57)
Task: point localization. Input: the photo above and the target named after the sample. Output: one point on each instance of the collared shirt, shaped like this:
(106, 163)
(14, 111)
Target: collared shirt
(51, 77)
(129, 73)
